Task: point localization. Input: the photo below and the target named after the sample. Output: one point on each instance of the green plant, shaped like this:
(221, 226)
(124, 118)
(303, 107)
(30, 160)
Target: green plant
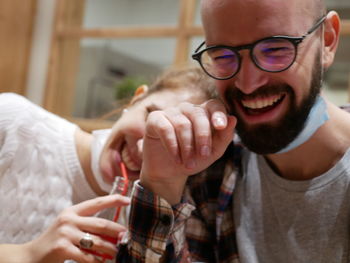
(126, 88)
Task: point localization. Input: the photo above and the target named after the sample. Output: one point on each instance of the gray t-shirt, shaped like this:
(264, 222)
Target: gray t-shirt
(279, 220)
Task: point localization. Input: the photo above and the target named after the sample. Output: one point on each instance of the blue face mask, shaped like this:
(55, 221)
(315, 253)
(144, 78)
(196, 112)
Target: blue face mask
(317, 117)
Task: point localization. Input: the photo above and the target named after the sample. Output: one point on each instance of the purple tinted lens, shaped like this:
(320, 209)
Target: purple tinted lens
(274, 54)
(220, 62)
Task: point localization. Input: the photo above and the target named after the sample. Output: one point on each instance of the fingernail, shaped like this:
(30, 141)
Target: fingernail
(219, 121)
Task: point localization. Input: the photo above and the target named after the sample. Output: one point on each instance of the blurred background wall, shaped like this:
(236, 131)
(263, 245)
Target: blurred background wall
(79, 53)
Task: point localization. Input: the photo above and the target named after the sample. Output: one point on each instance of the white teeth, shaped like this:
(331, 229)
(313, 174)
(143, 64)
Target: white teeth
(129, 163)
(260, 103)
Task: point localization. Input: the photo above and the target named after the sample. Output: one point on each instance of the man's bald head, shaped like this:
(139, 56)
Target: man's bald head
(313, 8)
(269, 17)
(320, 8)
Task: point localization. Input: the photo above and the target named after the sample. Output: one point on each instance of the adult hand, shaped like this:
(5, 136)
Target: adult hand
(61, 241)
(182, 141)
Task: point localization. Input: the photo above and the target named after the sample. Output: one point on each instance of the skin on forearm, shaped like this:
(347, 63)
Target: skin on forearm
(13, 253)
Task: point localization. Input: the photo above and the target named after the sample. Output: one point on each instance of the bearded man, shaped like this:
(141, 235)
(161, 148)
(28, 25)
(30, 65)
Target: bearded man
(280, 191)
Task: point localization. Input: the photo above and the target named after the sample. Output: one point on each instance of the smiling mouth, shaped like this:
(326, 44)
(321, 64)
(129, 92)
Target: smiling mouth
(128, 161)
(261, 105)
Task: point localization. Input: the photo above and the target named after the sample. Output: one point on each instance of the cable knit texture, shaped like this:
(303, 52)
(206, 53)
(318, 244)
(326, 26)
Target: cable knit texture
(40, 173)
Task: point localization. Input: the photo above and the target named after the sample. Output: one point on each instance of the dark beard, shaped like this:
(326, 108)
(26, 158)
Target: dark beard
(267, 138)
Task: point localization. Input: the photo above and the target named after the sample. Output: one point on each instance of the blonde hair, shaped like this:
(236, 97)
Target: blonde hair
(192, 78)
(178, 78)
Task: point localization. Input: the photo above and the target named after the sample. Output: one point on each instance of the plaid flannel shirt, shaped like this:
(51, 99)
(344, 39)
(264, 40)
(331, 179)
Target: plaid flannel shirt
(161, 233)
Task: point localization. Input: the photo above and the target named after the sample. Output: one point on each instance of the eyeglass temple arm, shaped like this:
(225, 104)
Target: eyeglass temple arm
(200, 46)
(316, 25)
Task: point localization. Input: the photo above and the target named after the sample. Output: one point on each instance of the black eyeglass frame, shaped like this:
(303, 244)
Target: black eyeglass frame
(294, 40)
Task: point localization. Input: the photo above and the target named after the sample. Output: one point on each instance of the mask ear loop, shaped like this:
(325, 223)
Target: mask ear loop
(322, 51)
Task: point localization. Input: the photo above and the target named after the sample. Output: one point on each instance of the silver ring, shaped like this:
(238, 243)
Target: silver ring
(86, 242)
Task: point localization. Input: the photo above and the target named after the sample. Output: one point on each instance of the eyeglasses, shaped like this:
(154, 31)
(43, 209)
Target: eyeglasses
(271, 54)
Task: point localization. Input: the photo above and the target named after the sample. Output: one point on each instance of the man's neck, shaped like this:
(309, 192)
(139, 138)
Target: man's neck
(320, 153)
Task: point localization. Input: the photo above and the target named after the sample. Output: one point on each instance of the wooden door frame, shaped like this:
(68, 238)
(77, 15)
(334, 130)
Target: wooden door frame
(68, 31)
(16, 30)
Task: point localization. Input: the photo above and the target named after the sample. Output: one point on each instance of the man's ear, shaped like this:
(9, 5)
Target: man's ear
(331, 38)
(139, 92)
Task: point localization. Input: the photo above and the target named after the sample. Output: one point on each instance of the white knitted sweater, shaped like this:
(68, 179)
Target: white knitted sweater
(40, 173)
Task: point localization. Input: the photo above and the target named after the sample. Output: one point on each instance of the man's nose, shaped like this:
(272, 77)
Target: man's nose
(250, 77)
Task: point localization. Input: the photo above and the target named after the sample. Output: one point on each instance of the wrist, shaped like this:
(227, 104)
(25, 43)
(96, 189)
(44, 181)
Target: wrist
(32, 252)
(170, 190)
(13, 253)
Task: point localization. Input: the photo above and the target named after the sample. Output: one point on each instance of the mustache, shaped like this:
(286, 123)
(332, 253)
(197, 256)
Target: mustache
(263, 91)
